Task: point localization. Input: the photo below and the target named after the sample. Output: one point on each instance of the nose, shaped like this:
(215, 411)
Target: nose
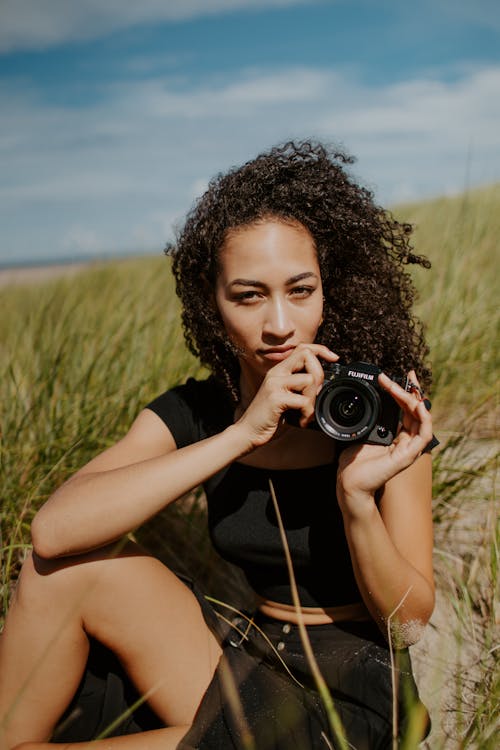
(278, 323)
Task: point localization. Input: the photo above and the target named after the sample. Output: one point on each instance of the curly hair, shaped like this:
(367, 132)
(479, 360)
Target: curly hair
(362, 252)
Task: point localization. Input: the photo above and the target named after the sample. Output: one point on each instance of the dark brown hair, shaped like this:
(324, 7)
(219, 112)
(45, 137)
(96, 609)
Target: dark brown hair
(362, 252)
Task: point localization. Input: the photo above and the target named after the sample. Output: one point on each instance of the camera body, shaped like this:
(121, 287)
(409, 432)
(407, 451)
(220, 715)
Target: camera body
(352, 407)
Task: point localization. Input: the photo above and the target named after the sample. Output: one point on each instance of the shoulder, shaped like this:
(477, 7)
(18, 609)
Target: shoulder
(198, 397)
(193, 410)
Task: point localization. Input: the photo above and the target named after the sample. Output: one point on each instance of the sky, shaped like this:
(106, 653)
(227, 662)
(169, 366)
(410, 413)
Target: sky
(114, 114)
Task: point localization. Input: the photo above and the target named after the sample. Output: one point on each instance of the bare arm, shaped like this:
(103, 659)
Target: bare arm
(128, 484)
(144, 472)
(391, 552)
(391, 541)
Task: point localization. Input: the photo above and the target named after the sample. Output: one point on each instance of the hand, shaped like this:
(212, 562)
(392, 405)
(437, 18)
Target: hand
(363, 469)
(291, 384)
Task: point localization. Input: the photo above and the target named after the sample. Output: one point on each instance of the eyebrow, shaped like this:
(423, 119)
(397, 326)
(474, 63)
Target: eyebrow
(261, 285)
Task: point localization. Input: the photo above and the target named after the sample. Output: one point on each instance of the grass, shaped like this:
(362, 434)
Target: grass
(79, 357)
(459, 302)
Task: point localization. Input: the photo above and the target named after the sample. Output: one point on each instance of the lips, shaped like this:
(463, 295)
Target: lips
(276, 353)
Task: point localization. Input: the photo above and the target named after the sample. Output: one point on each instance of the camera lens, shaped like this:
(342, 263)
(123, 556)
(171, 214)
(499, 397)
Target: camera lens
(347, 408)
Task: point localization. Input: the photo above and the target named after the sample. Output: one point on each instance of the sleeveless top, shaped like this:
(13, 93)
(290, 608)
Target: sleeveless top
(241, 518)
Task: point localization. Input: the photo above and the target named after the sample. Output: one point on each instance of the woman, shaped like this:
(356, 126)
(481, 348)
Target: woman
(284, 266)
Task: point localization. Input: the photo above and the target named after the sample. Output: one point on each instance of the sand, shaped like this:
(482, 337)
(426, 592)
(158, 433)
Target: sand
(37, 274)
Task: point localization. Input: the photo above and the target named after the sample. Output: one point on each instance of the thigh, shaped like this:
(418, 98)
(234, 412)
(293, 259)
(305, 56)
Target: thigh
(140, 610)
(153, 622)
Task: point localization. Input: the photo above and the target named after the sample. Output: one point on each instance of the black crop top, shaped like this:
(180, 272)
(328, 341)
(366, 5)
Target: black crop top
(241, 518)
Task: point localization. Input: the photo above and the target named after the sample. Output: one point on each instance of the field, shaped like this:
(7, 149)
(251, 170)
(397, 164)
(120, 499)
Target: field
(80, 355)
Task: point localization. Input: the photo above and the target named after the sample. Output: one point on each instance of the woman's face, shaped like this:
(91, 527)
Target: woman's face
(268, 292)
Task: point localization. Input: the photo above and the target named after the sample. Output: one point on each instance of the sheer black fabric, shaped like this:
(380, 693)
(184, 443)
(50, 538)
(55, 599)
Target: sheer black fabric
(263, 688)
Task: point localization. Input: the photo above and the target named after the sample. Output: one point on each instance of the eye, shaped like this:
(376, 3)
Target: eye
(247, 297)
(302, 291)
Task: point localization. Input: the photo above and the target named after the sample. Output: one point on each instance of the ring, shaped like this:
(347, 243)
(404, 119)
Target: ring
(414, 387)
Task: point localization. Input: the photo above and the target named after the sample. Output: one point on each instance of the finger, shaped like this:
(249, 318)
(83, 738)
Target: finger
(417, 425)
(297, 402)
(413, 385)
(416, 418)
(313, 366)
(282, 388)
(305, 383)
(407, 449)
(322, 351)
(406, 399)
(303, 357)
(413, 377)
(300, 382)
(297, 360)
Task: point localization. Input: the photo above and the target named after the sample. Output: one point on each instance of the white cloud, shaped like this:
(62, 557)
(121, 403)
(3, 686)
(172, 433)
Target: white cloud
(425, 108)
(424, 133)
(39, 24)
(236, 98)
(117, 174)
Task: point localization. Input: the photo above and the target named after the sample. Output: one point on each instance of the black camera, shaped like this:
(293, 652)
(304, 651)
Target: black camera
(352, 407)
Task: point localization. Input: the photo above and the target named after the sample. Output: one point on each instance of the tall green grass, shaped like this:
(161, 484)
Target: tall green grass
(80, 356)
(459, 301)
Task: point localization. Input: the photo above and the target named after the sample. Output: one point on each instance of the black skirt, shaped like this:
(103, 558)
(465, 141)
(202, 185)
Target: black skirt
(263, 694)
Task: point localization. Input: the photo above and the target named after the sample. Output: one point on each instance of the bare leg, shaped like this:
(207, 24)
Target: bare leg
(131, 603)
(157, 739)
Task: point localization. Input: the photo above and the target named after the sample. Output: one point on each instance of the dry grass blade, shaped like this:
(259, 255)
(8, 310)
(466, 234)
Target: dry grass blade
(335, 723)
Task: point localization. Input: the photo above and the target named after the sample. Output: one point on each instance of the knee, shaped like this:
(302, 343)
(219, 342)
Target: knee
(33, 581)
(27, 579)
(46, 581)
(71, 579)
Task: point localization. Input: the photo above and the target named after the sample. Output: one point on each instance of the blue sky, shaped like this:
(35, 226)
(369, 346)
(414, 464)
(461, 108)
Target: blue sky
(114, 114)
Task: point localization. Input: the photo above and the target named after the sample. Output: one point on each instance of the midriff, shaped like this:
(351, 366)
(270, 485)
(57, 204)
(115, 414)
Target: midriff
(313, 615)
